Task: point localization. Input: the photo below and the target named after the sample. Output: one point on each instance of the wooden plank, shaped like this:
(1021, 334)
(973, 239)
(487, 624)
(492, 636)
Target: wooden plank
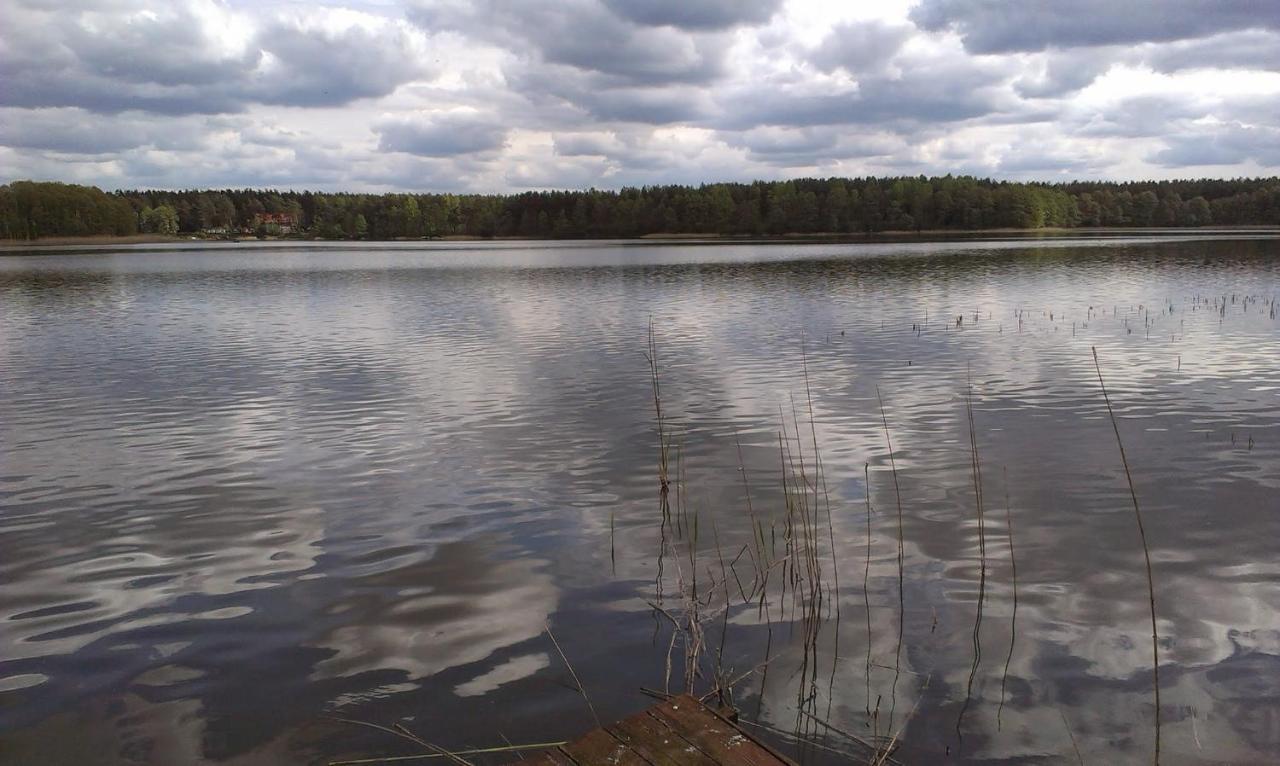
(601, 747)
(549, 758)
(679, 732)
(657, 743)
(713, 735)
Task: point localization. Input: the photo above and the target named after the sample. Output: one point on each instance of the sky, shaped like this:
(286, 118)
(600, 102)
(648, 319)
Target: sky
(513, 95)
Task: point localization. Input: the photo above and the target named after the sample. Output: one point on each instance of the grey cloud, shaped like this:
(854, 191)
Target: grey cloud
(655, 106)
(630, 152)
(170, 48)
(578, 172)
(783, 141)
(927, 91)
(1230, 144)
(695, 14)
(585, 35)
(444, 135)
(808, 147)
(1033, 25)
(1037, 160)
(588, 95)
(168, 63)
(1064, 73)
(860, 46)
(73, 131)
(586, 144)
(787, 147)
(1252, 49)
(322, 68)
(270, 135)
(1138, 117)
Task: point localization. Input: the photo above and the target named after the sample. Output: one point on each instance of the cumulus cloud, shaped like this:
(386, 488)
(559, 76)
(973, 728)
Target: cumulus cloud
(1221, 145)
(1033, 25)
(810, 146)
(73, 131)
(492, 95)
(861, 46)
(695, 14)
(197, 57)
(937, 88)
(441, 135)
(1254, 49)
(585, 35)
(1063, 72)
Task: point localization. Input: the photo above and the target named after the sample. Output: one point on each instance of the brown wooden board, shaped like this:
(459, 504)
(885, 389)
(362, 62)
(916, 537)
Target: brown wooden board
(549, 758)
(601, 747)
(713, 735)
(657, 742)
(679, 732)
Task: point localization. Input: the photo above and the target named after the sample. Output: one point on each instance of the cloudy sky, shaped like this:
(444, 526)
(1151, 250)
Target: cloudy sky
(508, 95)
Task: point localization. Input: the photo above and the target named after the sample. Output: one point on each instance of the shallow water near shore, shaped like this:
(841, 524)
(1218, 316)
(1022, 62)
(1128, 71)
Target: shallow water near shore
(244, 490)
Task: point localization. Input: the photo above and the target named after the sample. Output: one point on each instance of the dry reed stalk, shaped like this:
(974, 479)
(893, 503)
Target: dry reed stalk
(1146, 553)
(897, 493)
(866, 580)
(1072, 737)
(573, 673)
(1013, 620)
(893, 741)
(434, 748)
(517, 749)
(822, 478)
(975, 461)
(399, 730)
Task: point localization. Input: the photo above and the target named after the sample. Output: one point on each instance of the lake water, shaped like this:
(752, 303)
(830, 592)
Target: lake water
(244, 490)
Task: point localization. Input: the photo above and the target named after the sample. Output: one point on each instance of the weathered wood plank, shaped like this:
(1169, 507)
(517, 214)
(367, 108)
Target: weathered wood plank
(679, 732)
(713, 735)
(658, 743)
(549, 758)
(601, 747)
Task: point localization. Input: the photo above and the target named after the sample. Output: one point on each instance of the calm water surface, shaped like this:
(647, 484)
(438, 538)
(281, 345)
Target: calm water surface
(244, 490)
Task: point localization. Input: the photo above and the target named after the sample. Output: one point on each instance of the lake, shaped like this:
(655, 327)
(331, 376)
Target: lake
(247, 489)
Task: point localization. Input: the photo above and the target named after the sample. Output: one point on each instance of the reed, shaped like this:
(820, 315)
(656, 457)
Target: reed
(1146, 553)
(399, 730)
(572, 673)
(1071, 736)
(1013, 620)
(902, 613)
(866, 580)
(976, 469)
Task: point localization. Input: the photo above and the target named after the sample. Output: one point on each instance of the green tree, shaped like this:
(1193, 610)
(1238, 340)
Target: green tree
(160, 220)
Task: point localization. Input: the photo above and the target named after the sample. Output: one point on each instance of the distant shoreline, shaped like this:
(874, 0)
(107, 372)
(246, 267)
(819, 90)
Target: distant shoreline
(827, 237)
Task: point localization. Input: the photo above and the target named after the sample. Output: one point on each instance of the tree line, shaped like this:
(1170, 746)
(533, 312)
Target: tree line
(29, 210)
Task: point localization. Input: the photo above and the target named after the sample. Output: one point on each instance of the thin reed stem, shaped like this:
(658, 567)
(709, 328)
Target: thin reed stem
(573, 673)
(975, 461)
(902, 612)
(1146, 553)
(1013, 620)
(866, 580)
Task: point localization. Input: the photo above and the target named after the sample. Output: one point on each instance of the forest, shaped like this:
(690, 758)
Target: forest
(809, 206)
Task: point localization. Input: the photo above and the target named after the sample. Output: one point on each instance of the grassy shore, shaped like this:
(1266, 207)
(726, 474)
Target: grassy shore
(96, 239)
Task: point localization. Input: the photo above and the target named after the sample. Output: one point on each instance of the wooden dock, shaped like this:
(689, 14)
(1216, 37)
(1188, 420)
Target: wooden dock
(679, 732)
